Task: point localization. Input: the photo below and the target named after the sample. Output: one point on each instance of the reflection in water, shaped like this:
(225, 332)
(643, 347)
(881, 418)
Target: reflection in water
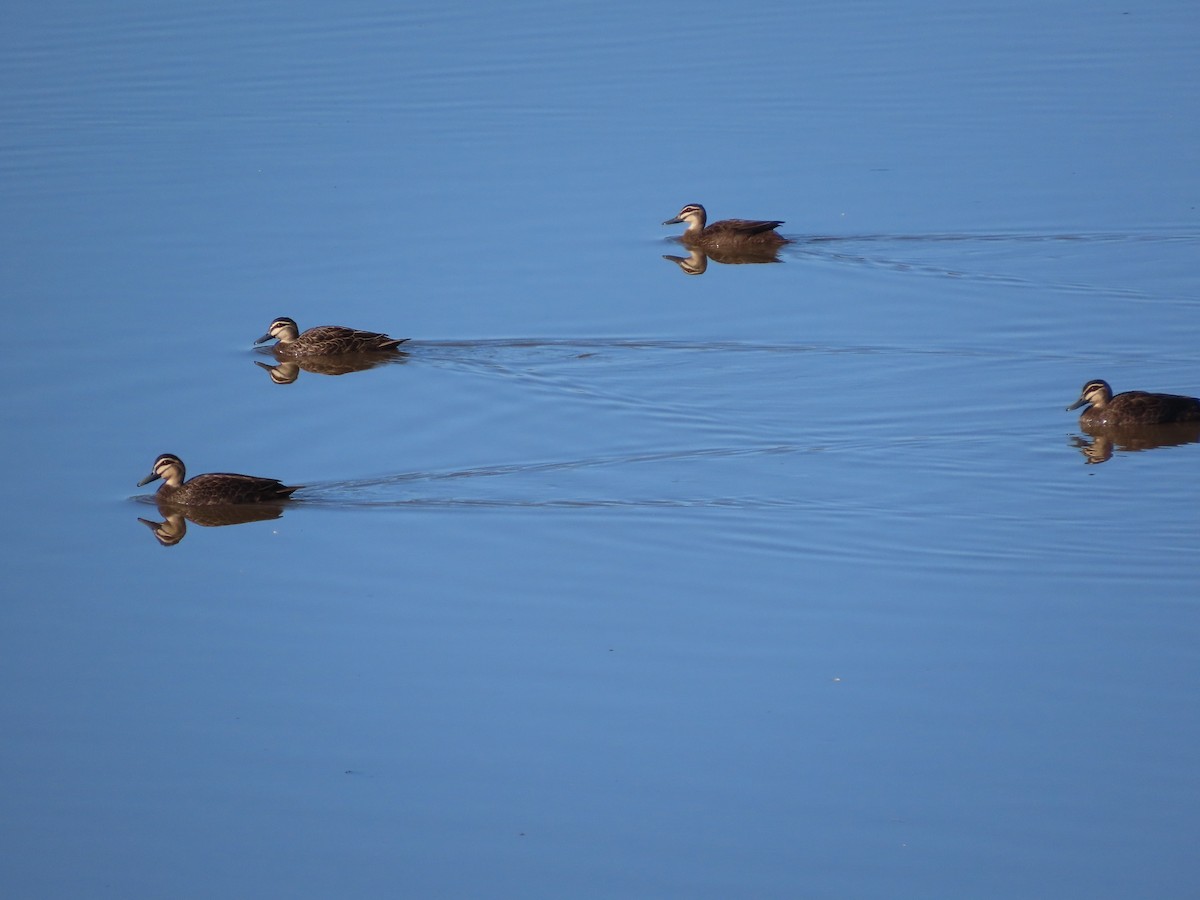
(173, 528)
(288, 370)
(1146, 437)
(696, 262)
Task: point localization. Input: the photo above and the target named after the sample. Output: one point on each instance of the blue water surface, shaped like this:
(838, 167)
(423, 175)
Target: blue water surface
(779, 580)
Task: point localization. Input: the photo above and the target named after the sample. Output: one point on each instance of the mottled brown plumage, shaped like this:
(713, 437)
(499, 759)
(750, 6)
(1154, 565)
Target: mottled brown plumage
(727, 233)
(211, 489)
(325, 340)
(1132, 408)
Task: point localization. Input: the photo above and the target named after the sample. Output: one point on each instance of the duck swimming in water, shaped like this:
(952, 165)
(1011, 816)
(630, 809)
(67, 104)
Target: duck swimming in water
(1132, 408)
(325, 340)
(211, 489)
(727, 233)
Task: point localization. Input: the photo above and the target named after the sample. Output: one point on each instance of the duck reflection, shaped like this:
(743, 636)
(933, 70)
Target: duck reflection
(288, 370)
(172, 529)
(696, 262)
(1105, 441)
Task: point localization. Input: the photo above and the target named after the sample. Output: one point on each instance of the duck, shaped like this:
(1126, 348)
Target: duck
(211, 489)
(727, 232)
(325, 340)
(1132, 408)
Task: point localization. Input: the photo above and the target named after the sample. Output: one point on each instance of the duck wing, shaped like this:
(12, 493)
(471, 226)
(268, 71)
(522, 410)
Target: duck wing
(748, 226)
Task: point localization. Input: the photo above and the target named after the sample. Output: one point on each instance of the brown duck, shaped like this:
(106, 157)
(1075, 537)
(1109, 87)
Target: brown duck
(212, 489)
(727, 233)
(325, 340)
(1132, 408)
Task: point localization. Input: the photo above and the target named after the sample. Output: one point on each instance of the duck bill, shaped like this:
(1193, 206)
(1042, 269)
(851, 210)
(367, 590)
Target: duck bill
(153, 476)
(262, 340)
(674, 221)
(1078, 403)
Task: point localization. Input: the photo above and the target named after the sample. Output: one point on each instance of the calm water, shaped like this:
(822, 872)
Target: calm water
(789, 580)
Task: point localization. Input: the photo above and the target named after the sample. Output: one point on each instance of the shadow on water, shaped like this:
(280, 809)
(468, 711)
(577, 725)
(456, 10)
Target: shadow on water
(1107, 441)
